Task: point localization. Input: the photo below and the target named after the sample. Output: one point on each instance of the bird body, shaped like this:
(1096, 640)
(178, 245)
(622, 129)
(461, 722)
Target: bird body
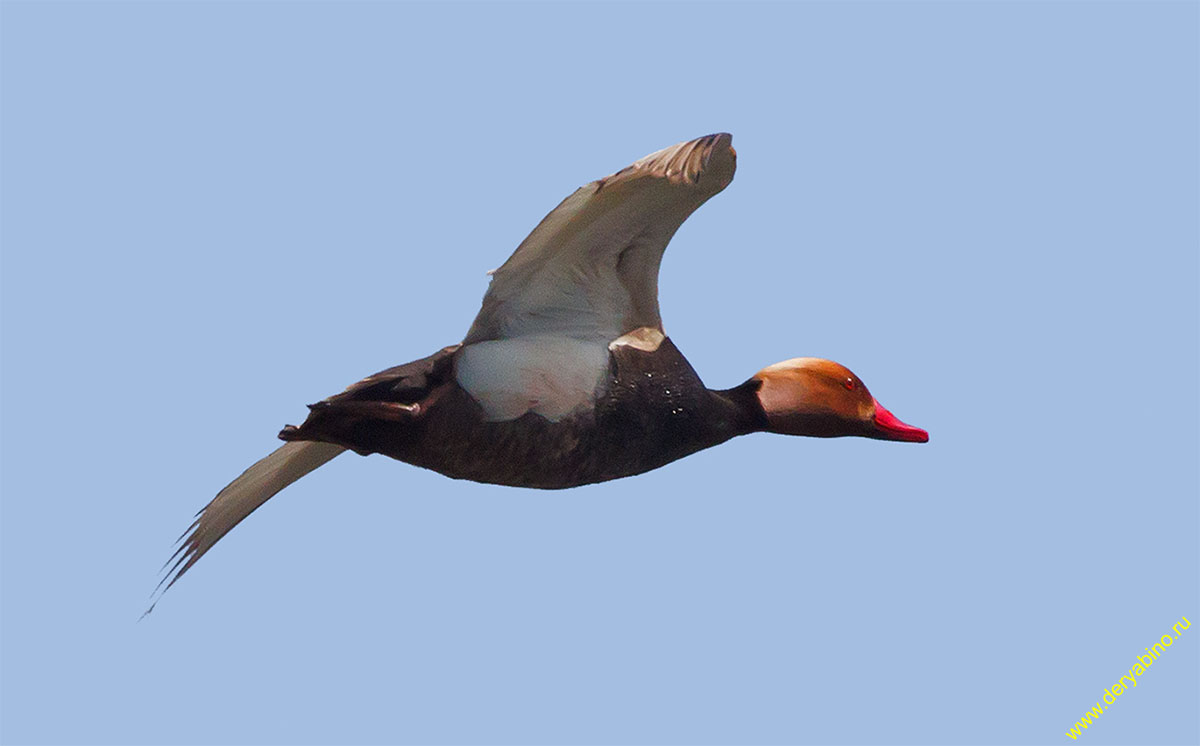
(565, 377)
(648, 408)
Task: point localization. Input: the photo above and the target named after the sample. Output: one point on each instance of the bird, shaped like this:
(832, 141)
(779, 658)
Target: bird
(566, 376)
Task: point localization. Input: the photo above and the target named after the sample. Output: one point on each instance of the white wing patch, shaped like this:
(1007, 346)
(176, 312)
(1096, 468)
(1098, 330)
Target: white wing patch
(548, 375)
(644, 338)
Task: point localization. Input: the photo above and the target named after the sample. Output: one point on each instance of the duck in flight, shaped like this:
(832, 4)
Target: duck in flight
(565, 377)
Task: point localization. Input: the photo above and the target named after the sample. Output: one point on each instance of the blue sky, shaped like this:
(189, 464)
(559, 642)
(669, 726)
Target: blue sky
(216, 213)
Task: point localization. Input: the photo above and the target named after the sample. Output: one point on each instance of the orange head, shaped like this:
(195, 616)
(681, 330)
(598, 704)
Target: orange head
(820, 398)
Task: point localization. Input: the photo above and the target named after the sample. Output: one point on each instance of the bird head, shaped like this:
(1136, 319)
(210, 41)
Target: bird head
(820, 398)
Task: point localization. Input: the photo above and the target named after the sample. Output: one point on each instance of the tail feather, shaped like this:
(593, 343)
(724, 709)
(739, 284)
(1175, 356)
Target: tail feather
(239, 499)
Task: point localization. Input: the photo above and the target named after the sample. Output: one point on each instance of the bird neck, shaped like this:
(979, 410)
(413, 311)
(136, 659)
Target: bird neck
(737, 410)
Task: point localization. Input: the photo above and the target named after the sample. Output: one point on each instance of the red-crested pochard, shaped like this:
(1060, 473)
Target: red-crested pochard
(565, 377)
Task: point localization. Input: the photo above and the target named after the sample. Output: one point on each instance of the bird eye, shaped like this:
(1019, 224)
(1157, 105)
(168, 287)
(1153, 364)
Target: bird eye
(849, 384)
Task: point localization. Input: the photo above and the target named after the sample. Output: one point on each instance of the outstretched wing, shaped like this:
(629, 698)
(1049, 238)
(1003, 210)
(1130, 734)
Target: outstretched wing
(589, 270)
(240, 498)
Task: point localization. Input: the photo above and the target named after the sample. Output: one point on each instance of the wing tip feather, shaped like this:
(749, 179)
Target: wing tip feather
(708, 161)
(236, 501)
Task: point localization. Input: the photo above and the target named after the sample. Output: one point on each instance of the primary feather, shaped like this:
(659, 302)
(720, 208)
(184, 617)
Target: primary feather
(241, 497)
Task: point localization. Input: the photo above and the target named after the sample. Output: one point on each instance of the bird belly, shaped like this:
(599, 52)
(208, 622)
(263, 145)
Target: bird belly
(455, 439)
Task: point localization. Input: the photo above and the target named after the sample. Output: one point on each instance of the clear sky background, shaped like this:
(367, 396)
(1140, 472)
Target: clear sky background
(216, 213)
